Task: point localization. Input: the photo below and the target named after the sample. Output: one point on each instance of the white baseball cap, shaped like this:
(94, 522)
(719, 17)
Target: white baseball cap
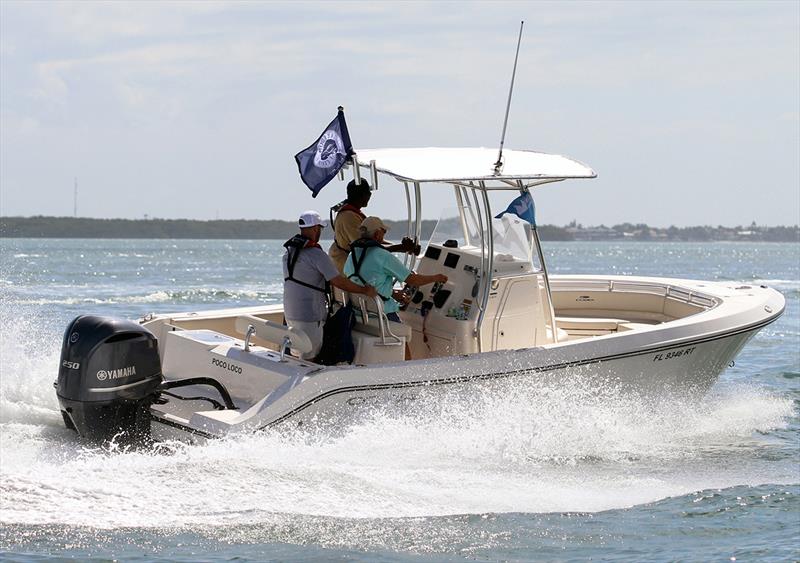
(310, 218)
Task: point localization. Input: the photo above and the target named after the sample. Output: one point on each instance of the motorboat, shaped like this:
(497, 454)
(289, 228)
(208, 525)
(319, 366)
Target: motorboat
(500, 316)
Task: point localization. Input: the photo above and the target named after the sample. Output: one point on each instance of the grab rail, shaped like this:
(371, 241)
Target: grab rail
(284, 336)
(676, 293)
(383, 321)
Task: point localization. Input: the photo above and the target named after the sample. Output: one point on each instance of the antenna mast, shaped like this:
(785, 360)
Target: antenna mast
(499, 164)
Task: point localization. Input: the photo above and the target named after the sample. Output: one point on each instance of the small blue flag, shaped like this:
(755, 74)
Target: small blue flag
(320, 162)
(523, 207)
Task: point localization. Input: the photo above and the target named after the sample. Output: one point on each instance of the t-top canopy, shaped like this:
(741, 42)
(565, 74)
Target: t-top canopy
(462, 165)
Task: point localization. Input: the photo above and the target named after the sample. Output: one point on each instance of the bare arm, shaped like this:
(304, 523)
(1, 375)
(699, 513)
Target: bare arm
(422, 279)
(343, 283)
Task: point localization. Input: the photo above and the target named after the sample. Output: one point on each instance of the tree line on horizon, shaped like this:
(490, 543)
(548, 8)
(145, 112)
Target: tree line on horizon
(80, 227)
(84, 227)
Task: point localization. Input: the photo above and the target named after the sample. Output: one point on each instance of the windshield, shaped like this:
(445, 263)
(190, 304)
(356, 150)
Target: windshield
(512, 236)
(451, 227)
(513, 239)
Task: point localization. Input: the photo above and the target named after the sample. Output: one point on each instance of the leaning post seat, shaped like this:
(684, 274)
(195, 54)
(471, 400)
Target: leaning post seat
(376, 339)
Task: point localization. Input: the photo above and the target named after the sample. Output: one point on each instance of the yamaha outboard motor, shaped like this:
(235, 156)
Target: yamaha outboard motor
(108, 377)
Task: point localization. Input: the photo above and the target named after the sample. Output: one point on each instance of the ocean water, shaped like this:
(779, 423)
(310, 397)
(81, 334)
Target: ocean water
(513, 472)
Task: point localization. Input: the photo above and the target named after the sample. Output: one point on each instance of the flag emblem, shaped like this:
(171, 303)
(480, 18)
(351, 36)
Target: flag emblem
(330, 150)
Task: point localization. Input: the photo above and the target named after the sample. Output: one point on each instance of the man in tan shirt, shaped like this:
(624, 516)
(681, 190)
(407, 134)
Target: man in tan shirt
(347, 222)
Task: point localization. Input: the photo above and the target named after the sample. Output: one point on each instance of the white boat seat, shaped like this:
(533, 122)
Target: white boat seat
(372, 327)
(588, 323)
(372, 345)
(275, 333)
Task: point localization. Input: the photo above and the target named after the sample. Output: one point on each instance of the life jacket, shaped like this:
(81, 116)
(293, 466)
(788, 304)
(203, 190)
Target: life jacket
(366, 244)
(293, 247)
(339, 209)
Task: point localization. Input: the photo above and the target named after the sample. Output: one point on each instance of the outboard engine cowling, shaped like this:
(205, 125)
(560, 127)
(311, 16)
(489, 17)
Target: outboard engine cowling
(108, 377)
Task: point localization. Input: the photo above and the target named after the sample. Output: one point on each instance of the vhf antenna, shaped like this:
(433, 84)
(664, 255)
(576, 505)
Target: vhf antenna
(499, 164)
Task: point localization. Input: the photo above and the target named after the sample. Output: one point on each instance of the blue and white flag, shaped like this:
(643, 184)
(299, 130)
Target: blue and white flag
(523, 207)
(321, 161)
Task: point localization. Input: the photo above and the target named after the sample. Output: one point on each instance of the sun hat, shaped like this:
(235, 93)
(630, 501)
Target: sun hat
(371, 224)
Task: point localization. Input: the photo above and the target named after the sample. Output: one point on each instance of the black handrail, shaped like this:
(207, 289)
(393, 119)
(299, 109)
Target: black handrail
(226, 397)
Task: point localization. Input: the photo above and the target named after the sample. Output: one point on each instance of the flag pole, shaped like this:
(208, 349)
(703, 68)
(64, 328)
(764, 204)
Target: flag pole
(356, 171)
(340, 109)
(499, 164)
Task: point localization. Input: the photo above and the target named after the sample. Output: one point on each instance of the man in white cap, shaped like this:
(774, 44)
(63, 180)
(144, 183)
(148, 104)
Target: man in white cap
(307, 272)
(370, 263)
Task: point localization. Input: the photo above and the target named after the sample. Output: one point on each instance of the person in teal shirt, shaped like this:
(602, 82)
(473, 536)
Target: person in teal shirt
(380, 268)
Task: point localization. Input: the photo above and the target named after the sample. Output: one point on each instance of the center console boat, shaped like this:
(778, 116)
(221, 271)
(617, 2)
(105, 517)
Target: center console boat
(209, 374)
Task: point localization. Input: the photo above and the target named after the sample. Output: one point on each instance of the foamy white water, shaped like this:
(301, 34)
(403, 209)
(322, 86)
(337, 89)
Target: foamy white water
(507, 447)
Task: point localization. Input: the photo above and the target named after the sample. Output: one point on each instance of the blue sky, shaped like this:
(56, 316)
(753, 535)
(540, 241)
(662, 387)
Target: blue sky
(689, 112)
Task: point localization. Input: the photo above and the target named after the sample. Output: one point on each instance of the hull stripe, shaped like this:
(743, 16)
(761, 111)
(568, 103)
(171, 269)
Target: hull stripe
(179, 426)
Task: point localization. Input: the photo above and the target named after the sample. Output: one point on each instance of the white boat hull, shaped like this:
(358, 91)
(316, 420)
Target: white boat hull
(684, 356)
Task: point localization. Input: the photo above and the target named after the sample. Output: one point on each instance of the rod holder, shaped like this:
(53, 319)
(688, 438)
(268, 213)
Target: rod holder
(251, 330)
(356, 171)
(373, 174)
(285, 345)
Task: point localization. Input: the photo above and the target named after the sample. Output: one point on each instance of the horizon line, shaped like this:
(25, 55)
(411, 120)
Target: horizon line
(582, 224)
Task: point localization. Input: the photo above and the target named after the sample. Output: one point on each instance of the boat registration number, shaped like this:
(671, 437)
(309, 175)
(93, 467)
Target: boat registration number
(673, 354)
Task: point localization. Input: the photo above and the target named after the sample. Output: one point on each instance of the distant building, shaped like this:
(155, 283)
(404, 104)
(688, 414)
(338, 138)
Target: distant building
(593, 233)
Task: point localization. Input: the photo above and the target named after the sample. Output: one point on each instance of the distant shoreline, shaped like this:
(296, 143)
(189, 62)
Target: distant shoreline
(78, 227)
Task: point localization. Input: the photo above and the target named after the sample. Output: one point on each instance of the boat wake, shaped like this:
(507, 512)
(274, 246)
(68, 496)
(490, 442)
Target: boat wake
(110, 296)
(510, 446)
